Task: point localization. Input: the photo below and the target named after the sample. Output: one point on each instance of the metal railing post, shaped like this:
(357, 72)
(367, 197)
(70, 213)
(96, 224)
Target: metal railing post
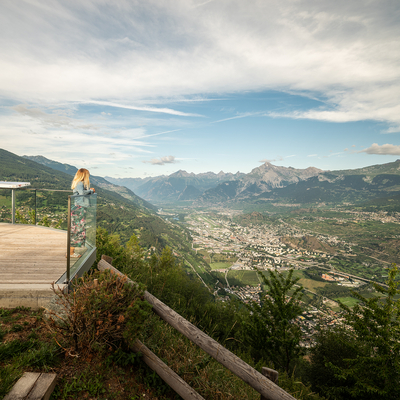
(35, 207)
(13, 206)
(69, 241)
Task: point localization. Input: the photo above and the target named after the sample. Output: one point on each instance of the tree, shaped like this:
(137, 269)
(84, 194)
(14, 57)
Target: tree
(333, 347)
(270, 330)
(370, 367)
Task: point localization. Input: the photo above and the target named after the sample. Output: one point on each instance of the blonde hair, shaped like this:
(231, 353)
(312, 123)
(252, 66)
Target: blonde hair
(82, 175)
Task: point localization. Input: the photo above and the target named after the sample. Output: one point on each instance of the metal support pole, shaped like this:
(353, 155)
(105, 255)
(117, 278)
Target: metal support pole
(69, 241)
(13, 206)
(35, 208)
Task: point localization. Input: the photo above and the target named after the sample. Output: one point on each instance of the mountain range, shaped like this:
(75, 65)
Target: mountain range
(180, 185)
(270, 183)
(265, 184)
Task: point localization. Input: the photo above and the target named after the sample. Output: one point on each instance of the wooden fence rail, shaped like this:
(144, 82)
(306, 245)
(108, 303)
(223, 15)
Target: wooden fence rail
(165, 373)
(255, 379)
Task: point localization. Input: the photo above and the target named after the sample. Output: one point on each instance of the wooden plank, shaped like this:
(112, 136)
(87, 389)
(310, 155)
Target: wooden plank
(31, 268)
(13, 268)
(43, 388)
(166, 373)
(235, 364)
(23, 386)
(31, 254)
(26, 282)
(30, 273)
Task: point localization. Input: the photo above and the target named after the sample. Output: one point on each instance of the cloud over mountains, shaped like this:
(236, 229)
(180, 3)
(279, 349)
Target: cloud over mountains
(135, 80)
(345, 52)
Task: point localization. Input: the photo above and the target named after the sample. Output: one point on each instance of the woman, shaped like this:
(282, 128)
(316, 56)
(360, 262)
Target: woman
(80, 186)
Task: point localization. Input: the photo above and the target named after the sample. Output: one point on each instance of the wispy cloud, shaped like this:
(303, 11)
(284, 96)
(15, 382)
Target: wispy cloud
(267, 160)
(54, 119)
(162, 160)
(385, 149)
(198, 48)
(277, 159)
(139, 108)
(244, 115)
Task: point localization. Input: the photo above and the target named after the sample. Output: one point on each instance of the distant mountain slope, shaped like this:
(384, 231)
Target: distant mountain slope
(273, 183)
(260, 180)
(130, 183)
(68, 169)
(114, 212)
(96, 180)
(15, 168)
(291, 186)
(343, 187)
(189, 193)
(172, 187)
(276, 176)
(392, 168)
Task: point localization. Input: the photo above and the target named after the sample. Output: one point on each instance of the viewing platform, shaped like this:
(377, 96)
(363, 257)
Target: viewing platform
(33, 255)
(31, 259)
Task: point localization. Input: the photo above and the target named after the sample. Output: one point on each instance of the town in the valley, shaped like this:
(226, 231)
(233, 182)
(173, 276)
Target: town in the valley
(233, 250)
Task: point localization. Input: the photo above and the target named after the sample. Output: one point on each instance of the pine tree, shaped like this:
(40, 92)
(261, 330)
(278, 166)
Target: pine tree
(371, 370)
(271, 331)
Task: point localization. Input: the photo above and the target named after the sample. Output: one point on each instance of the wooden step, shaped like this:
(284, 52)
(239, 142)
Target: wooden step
(33, 386)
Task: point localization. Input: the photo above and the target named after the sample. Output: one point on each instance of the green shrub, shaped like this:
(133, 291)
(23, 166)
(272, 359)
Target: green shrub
(101, 310)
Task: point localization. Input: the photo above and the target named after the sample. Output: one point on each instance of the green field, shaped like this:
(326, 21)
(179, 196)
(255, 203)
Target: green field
(310, 284)
(348, 301)
(220, 265)
(246, 277)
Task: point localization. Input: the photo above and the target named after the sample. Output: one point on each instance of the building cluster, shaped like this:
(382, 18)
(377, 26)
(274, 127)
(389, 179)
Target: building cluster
(246, 294)
(311, 318)
(261, 247)
(342, 280)
(254, 247)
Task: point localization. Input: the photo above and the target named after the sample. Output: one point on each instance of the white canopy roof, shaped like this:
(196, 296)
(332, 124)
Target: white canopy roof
(13, 185)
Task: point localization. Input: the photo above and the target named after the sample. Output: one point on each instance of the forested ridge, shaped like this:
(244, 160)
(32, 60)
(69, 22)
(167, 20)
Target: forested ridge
(115, 213)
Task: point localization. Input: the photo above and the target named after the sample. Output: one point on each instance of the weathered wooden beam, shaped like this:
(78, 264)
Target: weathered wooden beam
(23, 386)
(235, 364)
(43, 388)
(271, 374)
(33, 386)
(107, 258)
(166, 373)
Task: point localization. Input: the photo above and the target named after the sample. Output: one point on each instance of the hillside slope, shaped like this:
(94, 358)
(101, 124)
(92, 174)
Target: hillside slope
(96, 180)
(115, 213)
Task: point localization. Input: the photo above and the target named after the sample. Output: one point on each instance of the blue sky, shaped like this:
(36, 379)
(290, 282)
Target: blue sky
(145, 88)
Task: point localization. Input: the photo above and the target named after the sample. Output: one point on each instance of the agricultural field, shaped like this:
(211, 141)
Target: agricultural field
(245, 277)
(220, 265)
(348, 301)
(312, 285)
(365, 267)
(369, 238)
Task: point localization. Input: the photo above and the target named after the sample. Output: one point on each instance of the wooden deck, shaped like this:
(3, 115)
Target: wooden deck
(31, 258)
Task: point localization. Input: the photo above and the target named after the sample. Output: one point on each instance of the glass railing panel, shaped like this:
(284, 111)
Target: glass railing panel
(5, 206)
(25, 206)
(52, 208)
(44, 207)
(82, 230)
